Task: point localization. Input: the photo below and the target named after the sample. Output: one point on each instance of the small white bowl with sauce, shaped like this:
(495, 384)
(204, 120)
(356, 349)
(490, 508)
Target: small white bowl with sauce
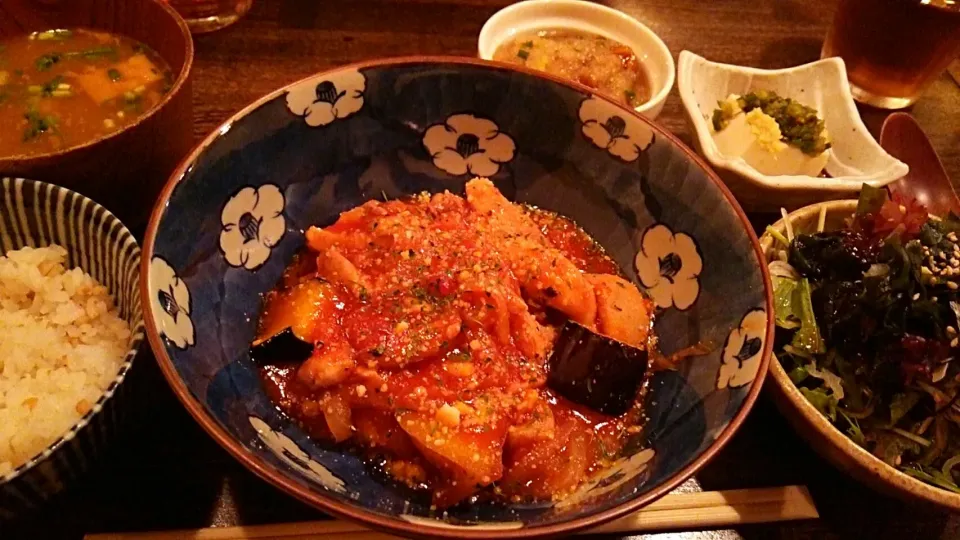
(531, 16)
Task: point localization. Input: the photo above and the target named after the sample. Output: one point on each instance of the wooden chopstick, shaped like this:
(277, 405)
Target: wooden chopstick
(674, 511)
(954, 71)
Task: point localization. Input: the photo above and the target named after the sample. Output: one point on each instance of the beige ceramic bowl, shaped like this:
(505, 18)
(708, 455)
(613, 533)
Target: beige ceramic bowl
(534, 15)
(827, 440)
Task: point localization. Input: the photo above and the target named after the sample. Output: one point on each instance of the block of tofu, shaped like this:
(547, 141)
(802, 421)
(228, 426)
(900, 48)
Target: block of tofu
(135, 72)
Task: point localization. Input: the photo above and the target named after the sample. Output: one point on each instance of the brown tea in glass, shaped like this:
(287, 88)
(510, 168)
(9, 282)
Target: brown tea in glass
(208, 15)
(893, 49)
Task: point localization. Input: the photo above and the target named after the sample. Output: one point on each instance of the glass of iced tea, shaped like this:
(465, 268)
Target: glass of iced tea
(209, 15)
(894, 49)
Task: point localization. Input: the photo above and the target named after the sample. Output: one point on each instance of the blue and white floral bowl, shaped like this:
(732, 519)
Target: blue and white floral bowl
(232, 216)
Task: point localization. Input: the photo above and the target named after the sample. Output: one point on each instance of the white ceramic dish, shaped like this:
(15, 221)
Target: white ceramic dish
(535, 15)
(856, 157)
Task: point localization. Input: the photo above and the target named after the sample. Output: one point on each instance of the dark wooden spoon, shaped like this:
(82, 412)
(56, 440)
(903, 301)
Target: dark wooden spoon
(927, 181)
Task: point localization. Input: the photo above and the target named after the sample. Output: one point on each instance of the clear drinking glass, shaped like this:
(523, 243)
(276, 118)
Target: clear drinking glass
(209, 15)
(894, 49)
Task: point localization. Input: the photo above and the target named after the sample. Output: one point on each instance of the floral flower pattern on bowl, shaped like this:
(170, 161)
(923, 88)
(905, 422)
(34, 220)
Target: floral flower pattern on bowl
(741, 355)
(669, 267)
(291, 454)
(608, 127)
(608, 480)
(468, 144)
(171, 304)
(320, 102)
(252, 224)
(407, 137)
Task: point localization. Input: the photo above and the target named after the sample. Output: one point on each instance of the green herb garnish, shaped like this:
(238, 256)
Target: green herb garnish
(47, 61)
(799, 124)
(420, 293)
(48, 88)
(523, 54)
(932, 476)
(527, 44)
(854, 431)
(38, 125)
(114, 75)
(95, 53)
(824, 402)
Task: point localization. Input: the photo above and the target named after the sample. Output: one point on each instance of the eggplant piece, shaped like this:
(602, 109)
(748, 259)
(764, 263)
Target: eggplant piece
(283, 346)
(595, 370)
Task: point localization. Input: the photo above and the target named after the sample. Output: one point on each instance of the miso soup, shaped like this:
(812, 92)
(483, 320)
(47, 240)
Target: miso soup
(64, 87)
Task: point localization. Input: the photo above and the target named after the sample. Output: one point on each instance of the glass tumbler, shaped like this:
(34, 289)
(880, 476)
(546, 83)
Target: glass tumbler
(893, 49)
(208, 15)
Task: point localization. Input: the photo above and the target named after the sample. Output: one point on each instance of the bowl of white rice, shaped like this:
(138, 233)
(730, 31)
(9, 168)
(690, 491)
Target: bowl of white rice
(70, 327)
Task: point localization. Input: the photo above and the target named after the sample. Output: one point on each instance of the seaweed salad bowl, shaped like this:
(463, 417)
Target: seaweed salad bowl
(233, 214)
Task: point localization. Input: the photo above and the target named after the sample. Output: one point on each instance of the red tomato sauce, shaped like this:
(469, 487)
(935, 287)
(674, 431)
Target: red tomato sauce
(432, 321)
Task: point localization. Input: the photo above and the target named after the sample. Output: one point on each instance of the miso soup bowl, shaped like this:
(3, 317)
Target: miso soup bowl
(577, 15)
(123, 170)
(303, 154)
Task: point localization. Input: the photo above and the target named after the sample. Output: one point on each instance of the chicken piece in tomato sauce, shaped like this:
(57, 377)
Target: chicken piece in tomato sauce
(432, 320)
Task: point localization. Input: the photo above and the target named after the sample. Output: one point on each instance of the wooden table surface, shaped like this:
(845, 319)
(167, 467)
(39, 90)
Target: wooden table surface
(165, 473)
